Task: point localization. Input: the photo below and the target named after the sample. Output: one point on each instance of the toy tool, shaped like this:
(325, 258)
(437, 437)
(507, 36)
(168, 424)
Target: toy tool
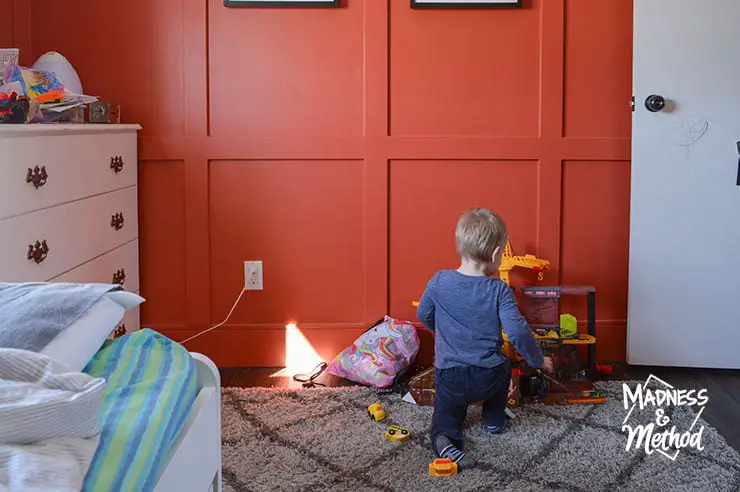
(551, 379)
(586, 400)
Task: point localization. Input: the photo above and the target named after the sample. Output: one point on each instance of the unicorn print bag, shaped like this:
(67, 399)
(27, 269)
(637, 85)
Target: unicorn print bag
(379, 355)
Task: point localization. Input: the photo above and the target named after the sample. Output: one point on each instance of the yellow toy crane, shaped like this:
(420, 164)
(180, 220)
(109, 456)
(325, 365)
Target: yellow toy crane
(531, 262)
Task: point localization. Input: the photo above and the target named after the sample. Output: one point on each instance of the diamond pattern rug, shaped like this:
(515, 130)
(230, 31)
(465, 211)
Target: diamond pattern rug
(322, 439)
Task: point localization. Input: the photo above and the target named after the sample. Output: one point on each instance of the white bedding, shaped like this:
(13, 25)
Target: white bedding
(49, 427)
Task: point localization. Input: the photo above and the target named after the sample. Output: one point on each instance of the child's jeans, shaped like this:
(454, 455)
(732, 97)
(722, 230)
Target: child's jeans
(458, 387)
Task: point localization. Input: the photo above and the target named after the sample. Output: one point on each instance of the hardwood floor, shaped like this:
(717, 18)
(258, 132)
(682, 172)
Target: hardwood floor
(723, 387)
(269, 377)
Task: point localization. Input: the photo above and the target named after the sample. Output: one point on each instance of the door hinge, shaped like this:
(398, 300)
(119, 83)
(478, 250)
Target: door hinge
(738, 164)
(632, 103)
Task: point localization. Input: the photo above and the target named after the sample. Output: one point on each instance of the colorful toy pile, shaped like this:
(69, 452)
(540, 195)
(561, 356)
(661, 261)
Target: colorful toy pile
(39, 93)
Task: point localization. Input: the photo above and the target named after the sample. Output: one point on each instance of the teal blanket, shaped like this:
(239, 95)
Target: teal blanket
(151, 386)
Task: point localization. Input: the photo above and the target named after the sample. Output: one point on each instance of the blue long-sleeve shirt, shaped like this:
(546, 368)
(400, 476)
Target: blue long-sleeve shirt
(466, 314)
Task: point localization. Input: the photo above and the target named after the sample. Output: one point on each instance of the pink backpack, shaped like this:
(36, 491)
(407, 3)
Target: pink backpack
(379, 355)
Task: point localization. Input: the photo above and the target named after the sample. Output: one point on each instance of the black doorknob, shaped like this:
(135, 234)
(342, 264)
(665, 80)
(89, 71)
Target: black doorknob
(655, 103)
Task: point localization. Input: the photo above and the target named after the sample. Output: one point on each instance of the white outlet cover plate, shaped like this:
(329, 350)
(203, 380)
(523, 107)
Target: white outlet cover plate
(253, 275)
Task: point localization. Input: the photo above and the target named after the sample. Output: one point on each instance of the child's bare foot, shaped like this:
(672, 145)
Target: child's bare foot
(445, 449)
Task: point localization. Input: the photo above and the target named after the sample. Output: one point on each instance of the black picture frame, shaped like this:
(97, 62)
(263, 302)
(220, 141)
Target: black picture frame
(282, 3)
(464, 4)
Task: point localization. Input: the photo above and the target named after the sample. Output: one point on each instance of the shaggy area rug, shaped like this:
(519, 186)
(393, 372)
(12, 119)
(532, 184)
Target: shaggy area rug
(322, 439)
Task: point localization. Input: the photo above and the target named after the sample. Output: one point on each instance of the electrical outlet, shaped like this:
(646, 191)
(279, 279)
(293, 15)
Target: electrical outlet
(252, 275)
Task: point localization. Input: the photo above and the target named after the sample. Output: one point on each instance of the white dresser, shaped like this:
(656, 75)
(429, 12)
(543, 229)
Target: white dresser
(68, 206)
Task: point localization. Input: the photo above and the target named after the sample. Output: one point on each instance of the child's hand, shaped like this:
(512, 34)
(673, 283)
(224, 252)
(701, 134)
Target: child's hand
(547, 365)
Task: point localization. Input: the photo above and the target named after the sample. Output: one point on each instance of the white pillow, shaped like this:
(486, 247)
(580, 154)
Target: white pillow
(75, 347)
(128, 300)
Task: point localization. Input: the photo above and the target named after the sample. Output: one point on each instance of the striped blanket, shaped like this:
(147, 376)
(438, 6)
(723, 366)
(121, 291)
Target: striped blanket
(151, 385)
(48, 423)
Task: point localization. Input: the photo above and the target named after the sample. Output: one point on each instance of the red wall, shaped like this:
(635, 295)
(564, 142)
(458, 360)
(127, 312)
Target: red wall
(15, 31)
(339, 146)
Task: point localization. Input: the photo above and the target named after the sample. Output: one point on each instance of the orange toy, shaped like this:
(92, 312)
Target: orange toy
(585, 401)
(49, 97)
(531, 262)
(442, 468)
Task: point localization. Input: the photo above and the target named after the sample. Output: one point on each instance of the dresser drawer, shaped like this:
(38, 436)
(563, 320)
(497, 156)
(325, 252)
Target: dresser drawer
(45, 244)
(118, 266)
(129, 323)
(70, 167)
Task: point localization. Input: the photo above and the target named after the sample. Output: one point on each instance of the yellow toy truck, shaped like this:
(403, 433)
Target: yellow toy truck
(376, 412)
(397, 433)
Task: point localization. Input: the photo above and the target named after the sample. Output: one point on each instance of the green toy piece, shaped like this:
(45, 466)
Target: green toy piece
(568, 326)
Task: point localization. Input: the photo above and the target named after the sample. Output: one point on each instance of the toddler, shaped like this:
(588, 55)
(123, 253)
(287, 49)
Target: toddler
(465, 308)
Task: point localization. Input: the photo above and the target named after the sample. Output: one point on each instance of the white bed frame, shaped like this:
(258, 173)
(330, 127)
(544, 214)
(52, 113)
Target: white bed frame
(194, 463)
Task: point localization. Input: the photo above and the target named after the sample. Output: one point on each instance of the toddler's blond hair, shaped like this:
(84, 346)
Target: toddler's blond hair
(479, 232)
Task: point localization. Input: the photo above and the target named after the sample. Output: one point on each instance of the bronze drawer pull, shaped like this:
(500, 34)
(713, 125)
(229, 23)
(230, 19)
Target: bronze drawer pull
(116, 221)
(119, 277)
(120, 331)
(116, 163)
(37, 176)
(38, 251)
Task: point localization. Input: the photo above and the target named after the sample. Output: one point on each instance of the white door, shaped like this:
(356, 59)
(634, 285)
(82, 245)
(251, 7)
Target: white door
(684, 280)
